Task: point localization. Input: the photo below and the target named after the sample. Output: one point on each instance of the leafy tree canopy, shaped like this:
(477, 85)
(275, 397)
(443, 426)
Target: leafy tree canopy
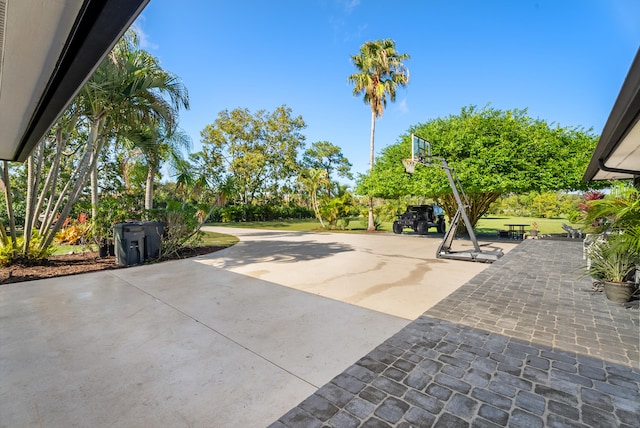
(329, 157)
(492, 152)
(259, 150)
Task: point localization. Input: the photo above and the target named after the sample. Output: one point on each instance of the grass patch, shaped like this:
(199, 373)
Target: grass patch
(546, 226)
(75, 249)
(486, 225)
(356, 225)
(208, 239)
(305, 225)
(221, 239)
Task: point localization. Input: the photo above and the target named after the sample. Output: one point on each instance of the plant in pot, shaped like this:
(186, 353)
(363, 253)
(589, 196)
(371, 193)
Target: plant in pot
(534, 229)
(613, 262)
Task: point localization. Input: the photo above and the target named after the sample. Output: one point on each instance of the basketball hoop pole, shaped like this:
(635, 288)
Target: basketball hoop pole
(444, 250)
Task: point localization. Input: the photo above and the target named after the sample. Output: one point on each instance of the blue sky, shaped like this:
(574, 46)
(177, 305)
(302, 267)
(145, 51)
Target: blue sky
(564, 60)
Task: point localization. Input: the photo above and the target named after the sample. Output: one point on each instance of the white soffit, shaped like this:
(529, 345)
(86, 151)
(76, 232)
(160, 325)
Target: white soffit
(33, 35)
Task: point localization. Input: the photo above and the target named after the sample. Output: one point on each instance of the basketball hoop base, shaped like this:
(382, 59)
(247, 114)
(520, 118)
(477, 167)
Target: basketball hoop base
(409, 165)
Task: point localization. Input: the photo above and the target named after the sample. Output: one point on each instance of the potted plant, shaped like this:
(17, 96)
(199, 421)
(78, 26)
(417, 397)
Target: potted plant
(616, 217)
(613, 262)
(533, 232)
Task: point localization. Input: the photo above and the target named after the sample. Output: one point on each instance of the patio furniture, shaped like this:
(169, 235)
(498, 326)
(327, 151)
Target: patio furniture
(571, 232)
(516, 230)
(588, 241)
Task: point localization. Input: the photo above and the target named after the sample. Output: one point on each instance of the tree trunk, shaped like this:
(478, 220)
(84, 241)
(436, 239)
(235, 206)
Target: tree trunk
(8, 197)
(148, 191)
(95, 147)
(85, 167)
(479, 203)
(316, 205)
(50, 185)
(28, 217)
(94, 192)
(371, 224)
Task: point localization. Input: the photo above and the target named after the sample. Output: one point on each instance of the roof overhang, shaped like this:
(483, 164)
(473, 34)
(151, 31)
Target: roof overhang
(48, 50)
(617, 155)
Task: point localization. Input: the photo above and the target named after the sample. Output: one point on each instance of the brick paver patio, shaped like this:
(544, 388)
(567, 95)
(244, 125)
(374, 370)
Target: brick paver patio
(523, 344)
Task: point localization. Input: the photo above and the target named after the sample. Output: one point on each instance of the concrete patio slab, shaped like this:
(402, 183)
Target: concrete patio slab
(396, 274)
(235, 338)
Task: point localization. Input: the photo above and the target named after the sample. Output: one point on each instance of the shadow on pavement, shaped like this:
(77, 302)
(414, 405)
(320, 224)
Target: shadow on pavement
(245, 253)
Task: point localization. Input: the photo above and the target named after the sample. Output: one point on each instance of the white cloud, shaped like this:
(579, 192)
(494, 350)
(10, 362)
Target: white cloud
(402, 106)
(143, 38)
(351, 4)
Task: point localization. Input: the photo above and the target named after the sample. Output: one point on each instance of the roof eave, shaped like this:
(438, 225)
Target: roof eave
(624, 116)
(97, 28)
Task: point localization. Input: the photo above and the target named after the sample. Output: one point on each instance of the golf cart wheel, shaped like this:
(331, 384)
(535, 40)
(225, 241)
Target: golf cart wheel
(397, 228)
(441, 227)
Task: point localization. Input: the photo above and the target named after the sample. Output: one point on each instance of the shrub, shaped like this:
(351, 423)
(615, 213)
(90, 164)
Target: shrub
(75, 233)
(241, 213)
(33, 257)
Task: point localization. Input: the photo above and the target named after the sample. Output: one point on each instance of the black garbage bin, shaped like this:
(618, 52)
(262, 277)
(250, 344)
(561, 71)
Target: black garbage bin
(129, 243)
(153, 231)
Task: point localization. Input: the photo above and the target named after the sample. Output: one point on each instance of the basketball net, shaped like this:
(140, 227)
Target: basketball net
(409, 165)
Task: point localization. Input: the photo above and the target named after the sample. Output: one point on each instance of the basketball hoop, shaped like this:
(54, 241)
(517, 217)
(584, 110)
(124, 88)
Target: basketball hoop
(409, 165)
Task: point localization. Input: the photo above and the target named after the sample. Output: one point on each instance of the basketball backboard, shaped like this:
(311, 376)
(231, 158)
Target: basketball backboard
(420, 149)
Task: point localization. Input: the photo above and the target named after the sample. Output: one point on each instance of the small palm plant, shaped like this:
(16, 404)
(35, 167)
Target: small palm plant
(618, 211)
(614, 263)
(612, 260)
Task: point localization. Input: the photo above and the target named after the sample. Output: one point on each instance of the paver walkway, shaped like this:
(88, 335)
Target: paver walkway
(523, 344)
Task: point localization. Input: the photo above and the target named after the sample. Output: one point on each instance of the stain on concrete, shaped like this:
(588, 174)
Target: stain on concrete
(415, 277)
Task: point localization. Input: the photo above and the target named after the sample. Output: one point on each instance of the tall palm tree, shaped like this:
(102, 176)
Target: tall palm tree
(156, 144)
(380, 71)
(129, 91)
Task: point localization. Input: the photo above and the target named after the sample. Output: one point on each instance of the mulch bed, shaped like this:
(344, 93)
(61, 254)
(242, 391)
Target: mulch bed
(72, 264)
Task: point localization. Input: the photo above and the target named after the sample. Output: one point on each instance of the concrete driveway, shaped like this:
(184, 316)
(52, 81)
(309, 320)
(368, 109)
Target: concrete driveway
(232, 339)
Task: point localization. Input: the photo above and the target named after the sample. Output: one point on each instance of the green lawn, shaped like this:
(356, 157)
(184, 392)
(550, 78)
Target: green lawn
(209, 238)
(305, 225)
(545, 225)
(67, 249)
(486, 225)
(213, 238)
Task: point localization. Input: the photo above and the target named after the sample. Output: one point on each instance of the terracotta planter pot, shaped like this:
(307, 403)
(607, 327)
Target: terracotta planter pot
(619, 292)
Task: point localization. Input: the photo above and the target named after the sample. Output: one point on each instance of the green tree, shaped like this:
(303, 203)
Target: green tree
(128, 92)
(337, 209)
(380, 71)
(493, 152)
(259, 150)
(129, 88)
(329, 157)
(546, 204)
(155, 144)
(47, 186)
(146, 103)
(312, 180)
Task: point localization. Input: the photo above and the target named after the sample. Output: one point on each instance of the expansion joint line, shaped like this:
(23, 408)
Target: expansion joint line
(180, 311)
